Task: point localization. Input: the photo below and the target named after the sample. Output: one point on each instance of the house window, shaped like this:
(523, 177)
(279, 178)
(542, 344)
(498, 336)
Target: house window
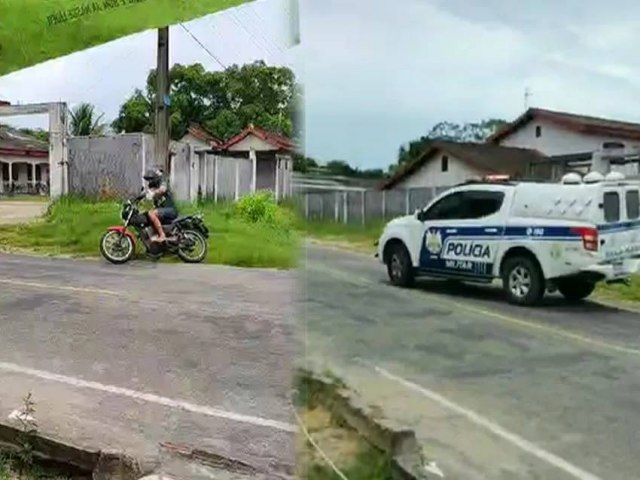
(445, 163)
(538, 131)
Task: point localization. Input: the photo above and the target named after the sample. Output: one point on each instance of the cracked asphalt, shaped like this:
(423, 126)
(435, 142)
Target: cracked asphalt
(125, 357)
(492, 390)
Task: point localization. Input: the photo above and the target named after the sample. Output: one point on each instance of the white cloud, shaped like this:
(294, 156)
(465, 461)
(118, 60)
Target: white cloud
(379, 73)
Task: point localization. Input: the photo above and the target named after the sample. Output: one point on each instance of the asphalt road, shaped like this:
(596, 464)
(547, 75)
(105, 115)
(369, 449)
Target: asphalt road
(493, 391)
(124, 357)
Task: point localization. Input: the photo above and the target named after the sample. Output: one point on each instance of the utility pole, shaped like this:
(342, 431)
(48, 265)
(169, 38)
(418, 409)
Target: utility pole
(162, 100)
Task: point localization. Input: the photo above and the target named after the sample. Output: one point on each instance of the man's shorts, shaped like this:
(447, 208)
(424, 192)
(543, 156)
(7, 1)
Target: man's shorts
(166, 215)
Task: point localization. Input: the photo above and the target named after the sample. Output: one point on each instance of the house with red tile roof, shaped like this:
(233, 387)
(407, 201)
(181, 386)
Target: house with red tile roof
(258, 139)
(200, 137)
(253, 159)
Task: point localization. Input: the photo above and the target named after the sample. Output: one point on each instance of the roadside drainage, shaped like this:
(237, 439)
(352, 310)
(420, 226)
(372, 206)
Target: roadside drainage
(174, 462)
(399, 448)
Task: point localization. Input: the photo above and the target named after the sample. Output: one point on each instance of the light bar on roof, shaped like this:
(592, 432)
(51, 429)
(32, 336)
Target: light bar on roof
(496, 178)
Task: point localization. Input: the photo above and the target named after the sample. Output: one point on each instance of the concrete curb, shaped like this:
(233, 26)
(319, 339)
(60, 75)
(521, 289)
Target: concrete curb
(102, 465)
(400, 444)
(110, 465)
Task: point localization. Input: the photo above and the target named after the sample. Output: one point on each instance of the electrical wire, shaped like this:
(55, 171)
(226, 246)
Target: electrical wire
(261, 20)
(253, 37)
(202, 45)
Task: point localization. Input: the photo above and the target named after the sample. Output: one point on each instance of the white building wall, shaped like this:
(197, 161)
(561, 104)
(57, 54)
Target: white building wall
(251, 141)
(431, 174)
(195, 142)
(555, 140)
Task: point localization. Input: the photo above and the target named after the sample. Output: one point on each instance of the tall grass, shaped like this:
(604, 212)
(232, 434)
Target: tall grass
(73, 226)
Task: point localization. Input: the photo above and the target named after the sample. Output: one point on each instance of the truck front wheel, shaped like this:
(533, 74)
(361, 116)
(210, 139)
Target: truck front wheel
(522, 281)
(399, 266)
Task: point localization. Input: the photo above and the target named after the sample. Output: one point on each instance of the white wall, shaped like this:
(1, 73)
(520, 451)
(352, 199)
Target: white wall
(431, 175)
(251, 141)
(195, 142)
(556, 140)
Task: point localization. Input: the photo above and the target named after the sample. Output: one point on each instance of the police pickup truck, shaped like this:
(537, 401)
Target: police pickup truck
(535, 237)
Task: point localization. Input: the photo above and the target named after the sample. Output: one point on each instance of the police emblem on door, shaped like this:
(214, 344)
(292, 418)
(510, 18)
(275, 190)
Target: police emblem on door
(433, 242)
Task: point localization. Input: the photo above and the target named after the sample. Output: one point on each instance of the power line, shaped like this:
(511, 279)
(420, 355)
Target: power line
(231, 46)
(251, 35)
(203, 46)
(262, 21)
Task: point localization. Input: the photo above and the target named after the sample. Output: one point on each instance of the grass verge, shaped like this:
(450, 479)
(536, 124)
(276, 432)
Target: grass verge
(73, 226)
(24, 198)
(355, 237)
(620, 293)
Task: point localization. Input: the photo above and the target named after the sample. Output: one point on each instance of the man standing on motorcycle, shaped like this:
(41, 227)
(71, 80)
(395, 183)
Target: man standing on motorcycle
(164, 211)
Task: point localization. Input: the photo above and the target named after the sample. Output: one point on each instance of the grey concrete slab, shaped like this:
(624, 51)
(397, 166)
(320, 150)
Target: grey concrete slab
(562, 380)
(126, 357)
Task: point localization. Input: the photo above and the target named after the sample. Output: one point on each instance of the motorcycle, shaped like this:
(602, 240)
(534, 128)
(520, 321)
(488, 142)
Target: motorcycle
(185, 235)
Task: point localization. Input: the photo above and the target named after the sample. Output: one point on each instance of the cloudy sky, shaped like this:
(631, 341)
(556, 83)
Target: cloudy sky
(378, 72)
(106, 75)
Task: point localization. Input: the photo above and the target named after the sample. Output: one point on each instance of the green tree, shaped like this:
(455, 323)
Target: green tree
(340, 167)
(224, 102)
(84, 121)
(135, 114)
(303, 164)
(37, 133)
(456, 132)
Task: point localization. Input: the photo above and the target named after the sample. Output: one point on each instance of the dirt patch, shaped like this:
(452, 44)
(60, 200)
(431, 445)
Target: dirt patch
(14, 212)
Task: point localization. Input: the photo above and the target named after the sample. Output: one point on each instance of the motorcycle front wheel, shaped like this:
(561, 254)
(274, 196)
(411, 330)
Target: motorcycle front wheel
(193, 247)
(116, 248)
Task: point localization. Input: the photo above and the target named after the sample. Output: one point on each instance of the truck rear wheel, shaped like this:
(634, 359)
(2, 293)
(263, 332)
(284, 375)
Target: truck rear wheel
(574, 289)
(522, 281)
(399, 266)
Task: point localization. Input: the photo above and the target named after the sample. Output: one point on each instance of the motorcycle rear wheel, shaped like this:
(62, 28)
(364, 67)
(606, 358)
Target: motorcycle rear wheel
(120, 255)
(186, 250)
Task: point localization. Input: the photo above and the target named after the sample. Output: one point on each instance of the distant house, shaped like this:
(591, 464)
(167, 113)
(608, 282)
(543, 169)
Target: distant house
(253, 159)
(24, 162)
(199, 137)
(274, 153)
(258, 139)
(567, 139)
(447, 163)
